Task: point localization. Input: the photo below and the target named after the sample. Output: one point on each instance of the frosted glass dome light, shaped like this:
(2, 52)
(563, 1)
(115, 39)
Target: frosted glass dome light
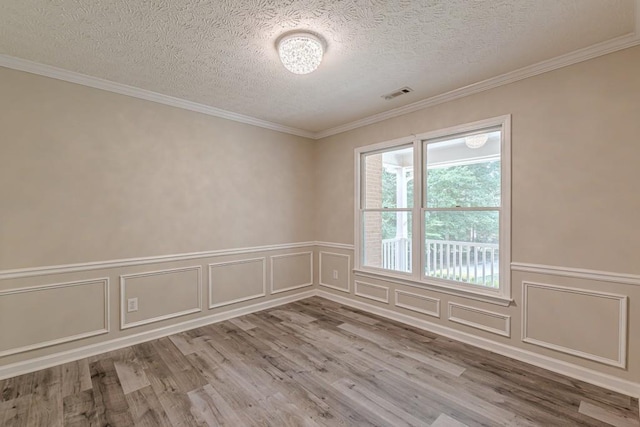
(300, 53)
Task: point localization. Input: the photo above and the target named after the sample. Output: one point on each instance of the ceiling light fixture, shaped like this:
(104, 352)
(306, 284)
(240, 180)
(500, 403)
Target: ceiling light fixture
(300, 52)
(476, 141)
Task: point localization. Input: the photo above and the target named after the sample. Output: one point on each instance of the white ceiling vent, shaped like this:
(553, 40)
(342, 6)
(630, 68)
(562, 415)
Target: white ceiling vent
(396, 93)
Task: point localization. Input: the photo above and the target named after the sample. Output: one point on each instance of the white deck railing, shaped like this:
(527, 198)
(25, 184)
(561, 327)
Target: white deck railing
(396, 254)
(467, 262)
(463, 261)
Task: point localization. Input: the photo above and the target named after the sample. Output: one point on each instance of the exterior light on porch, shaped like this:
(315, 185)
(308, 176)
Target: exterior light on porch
(476, 141)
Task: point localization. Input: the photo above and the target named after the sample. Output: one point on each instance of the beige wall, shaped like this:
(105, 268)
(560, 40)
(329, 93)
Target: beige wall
(575, 204)
(91, 176)
(88, 175)
(575, 151)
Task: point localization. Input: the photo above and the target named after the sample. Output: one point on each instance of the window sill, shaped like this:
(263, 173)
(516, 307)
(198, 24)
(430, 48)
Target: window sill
(464, 293)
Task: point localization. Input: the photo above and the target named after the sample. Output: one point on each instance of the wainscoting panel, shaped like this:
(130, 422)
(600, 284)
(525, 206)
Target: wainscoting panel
(373, 292)
(592, 376)
(335, 271)
(418, 303)
(580, 322)
(161, 294)
(236, 281)
(485, 320)
(291, 271)
(65, 312)
(55, 312)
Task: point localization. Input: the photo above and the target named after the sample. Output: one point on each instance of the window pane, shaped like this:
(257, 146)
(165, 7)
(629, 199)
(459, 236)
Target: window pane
(460, 176)
(386, 241)
(386, 179)
(463, 246)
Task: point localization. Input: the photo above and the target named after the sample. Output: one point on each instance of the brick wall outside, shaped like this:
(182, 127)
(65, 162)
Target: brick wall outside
(373, 220)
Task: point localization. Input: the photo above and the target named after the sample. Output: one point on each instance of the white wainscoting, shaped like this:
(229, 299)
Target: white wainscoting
(124, 324)
(347, 272)
(578, 273)
(347, 246)
(261, 279)
(99, 265)
(43, 362)
(89, 329)
(416, 308)
(619, 330)
(305, 283)
(32, 364)
(591, 376)
(441, 289)
(505, 331)
(360, 290)
(104, 316)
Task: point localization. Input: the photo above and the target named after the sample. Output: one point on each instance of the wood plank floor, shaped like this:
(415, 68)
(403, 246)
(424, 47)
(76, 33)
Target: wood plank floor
(309, 363)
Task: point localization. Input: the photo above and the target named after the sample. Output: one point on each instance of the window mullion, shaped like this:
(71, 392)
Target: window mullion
(417, 246)
(465, 209)
(387, 210)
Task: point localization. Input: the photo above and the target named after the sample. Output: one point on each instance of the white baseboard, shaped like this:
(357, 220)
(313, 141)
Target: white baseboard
(32, 365)
(574, 371)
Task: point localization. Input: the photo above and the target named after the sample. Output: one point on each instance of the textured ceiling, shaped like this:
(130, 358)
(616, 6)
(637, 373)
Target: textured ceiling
(221, 53)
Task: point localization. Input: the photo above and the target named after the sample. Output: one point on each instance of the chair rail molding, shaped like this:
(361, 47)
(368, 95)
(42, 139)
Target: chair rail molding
(578, 273)
(127, 262)
(346, 246)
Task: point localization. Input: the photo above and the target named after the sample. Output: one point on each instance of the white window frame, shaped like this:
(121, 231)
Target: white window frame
(501, 296)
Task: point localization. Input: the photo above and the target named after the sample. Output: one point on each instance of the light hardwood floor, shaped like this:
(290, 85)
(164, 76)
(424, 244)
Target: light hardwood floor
(310, 363)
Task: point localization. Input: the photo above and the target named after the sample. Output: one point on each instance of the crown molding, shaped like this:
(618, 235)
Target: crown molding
(580, 55)
(571, 58)
(122, 89)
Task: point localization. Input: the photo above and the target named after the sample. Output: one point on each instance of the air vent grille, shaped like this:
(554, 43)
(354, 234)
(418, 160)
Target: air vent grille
(397, 93)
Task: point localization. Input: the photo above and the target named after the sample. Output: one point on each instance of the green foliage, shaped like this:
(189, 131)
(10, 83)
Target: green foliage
(472, 185)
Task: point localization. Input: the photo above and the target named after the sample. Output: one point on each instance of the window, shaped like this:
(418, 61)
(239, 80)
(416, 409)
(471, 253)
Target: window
(387, 200)
(448, 227)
